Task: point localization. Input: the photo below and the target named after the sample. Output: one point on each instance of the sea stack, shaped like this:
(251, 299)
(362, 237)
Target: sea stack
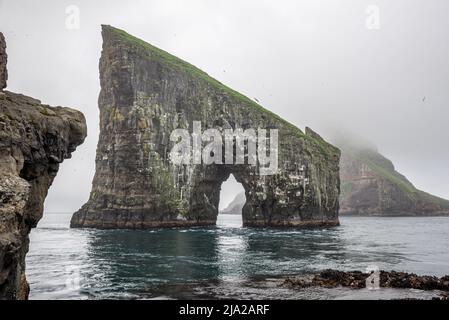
(34, 140)
(146, 93)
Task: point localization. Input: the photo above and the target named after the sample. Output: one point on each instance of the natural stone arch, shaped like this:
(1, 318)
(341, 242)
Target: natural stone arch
(147, 93)
(262, 206)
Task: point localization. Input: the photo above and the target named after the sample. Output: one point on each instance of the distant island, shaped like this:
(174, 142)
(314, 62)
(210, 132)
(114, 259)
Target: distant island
(146, 95)
(370, 185)
(35, 139)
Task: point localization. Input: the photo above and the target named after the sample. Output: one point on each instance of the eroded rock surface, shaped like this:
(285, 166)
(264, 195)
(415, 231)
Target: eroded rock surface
(146, 93)
(34, 140)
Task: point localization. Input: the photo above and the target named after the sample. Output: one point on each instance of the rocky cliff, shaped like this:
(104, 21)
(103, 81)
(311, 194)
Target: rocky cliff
(34, 140)
(370, 185)
(146, 93)
(3, 59)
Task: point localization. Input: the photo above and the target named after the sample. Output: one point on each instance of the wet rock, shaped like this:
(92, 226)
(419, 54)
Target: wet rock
(333, 278)
(146, 93)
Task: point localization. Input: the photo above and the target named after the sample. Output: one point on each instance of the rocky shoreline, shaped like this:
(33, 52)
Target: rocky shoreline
(330, 278)
(327, 284)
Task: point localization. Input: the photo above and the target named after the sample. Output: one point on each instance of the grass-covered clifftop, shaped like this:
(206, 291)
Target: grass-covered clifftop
(180, 64)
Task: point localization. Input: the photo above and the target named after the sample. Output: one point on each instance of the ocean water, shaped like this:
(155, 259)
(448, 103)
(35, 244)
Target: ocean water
(227, 261)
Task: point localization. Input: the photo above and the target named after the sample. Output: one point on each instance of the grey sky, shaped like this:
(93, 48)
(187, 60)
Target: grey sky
(313, 62)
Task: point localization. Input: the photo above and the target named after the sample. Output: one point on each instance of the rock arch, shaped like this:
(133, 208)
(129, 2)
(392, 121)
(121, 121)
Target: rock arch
(146, 93)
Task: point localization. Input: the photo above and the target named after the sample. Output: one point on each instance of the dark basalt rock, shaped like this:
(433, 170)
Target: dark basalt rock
(34, 140)
(330, 278)
(145, 94)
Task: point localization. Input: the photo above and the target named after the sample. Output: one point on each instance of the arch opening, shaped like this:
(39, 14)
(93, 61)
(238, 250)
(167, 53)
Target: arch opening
(232, 200)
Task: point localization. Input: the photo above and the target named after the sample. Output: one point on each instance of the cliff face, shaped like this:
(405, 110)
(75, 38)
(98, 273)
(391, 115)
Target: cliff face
(146, 93)
(370, 185)
(34, 140)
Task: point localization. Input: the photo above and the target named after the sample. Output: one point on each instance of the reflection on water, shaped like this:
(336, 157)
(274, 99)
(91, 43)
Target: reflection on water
(68, 263)
(232, 247)
(126, 260)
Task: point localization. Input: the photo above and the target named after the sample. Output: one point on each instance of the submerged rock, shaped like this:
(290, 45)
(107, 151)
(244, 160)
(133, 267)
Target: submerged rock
(34, 140)
(146, 93)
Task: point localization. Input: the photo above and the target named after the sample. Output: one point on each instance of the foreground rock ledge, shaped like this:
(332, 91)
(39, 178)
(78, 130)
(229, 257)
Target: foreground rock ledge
(330, 278)
(34, 140)
(146, 93)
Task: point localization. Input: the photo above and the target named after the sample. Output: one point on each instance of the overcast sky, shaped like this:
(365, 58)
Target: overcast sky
(324, 64)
